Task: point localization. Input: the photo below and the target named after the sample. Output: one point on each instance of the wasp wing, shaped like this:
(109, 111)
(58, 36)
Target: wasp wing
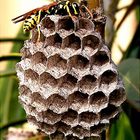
(26, 15)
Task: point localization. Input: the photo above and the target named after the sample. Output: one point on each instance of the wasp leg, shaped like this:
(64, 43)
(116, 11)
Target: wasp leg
(31, 35)
(38, 26)
(88, 11)
(69, 13)
(74, 18)
(39, 34)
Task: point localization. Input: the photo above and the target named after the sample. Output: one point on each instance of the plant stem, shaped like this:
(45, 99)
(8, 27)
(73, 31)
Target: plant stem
(12, 39)
(12, 56)
(13, 124)
(6, 74)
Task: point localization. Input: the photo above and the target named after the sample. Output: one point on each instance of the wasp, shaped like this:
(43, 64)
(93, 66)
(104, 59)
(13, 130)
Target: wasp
(32, 18)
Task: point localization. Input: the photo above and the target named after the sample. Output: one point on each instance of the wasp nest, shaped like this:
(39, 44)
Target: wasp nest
(69, 86)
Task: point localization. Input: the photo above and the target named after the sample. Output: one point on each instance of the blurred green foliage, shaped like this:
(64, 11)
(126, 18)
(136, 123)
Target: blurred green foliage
(121, 129)
(10, 109)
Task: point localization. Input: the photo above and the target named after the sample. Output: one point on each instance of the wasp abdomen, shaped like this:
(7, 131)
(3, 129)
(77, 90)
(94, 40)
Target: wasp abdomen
(30, 22)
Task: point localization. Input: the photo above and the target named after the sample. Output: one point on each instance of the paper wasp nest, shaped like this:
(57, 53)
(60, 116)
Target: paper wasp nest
(69, 86)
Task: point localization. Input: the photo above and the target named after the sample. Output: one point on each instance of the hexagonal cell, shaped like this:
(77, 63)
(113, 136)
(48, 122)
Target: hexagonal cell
(70, 118)
(108, 77)
(47, 128)
(58, 104)
(50, 117)
(78, 66)
(72, 42)
(117, 97)
(88, 84)
(79, 62)
(49, 85)
(23, 65)
(25, 52)
(20, 73)
(97, 129)
(39, 57)
(39, 102)
(87, 119)
(31, 111)
(25, 94)
(33, 47)
(57, 136)
(46, 78)
(67, 85)
(78, 101)
(100, 58)
(47, 26)
(90, 45)
(64, 128)
(24, 90)
(53, 40)
(95, 137)
(71, 137)
(91, 41)
(109, 112)
(37, 36)
(57, 66)
(98, 101)
(20, 68)
(33, 121)
(80, 132)
(71, 45)
(84, 25)
(65, 26)
(30, 74)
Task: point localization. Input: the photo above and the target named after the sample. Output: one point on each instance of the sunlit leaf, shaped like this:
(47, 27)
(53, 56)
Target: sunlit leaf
(130, 71)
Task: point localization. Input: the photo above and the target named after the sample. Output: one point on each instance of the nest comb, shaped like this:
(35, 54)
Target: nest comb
(69, 86)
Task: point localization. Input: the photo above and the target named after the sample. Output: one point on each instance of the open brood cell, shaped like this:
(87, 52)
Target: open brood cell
(91, 43)
(78, 66)
(71, 45)
(57, 66)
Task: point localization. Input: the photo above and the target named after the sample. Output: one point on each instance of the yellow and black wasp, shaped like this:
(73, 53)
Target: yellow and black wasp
(32, 18)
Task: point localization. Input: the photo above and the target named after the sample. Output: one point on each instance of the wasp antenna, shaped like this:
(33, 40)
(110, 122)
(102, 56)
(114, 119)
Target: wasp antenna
(18, 19)
(23, 16)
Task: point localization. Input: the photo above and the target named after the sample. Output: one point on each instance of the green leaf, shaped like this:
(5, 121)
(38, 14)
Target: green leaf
(12, 39)
(6, 73)
(121, 129)
(130, 71)
(134, 52)
(12, 56)
(10, 109)
(138, 13)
